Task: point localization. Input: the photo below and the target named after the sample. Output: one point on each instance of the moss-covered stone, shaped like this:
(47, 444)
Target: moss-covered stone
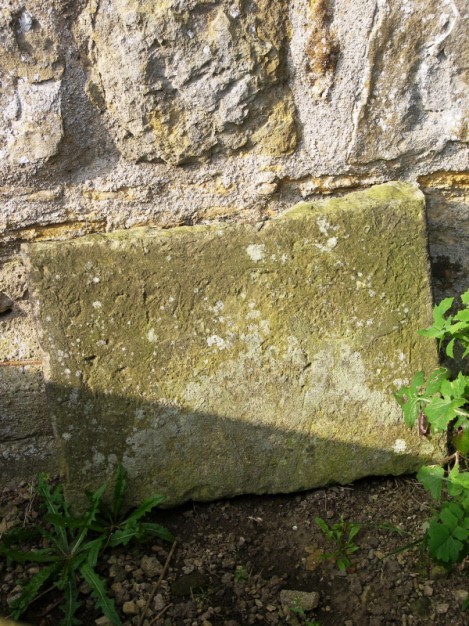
(214, 361)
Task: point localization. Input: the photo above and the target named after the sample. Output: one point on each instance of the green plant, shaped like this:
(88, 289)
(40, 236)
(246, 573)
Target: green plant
(71, 546)
(241, 574)
(439, 404)
(121, 527)
(341, 535)
(298, 610)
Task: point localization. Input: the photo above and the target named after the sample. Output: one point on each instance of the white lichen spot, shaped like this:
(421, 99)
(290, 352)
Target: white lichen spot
(152, 336)
(96, 279)
(67, 371)
(98, 458)
(25, 22)
(256, 251)
(401, 356)
(218, 307)
(399, 446)
(328, 246)
(215, 340)
(323, 224)
(284, 258)
(139, 413)
(66, 436)
(253, 314)
(97, 304)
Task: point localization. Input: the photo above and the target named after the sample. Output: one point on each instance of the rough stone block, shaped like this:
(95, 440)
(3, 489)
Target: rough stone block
(219, 360)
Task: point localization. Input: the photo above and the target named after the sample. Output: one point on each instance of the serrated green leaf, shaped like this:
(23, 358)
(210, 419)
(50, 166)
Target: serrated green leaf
(35, 556)
(441, 309)
(63, 521)
(442, 543)
(432, 478)
(462, 316)
(92, 549)
(55, 504)
(149, 529)
(70, 605)
(458, 485)
(435, 380)
(465, 298)
(410, 399)
(119, 491)
(98, 592)
(455, 388)
(31, 590)
(145, 507)
(123, 536)
(450, 348)
(440, 411)
(89, 517)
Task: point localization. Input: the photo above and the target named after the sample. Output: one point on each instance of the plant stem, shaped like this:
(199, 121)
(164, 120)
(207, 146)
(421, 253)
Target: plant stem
(157, 584)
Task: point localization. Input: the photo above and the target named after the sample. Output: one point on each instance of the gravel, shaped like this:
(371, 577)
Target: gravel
(257, 560)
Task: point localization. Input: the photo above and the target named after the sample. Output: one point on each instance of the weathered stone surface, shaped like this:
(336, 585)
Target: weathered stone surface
(392, 76)
(26, 440)
(186, 79)
(214, 360)
(299, 99)
(31, 69)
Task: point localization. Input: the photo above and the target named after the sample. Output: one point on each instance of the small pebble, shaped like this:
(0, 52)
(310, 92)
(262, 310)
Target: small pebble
(130, 608)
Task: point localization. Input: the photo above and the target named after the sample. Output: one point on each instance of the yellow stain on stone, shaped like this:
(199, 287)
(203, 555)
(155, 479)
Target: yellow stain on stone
(124, 193)
(445, 180)
(278, 136)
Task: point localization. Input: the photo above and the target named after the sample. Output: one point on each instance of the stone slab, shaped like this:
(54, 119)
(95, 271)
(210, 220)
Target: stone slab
(251, 358)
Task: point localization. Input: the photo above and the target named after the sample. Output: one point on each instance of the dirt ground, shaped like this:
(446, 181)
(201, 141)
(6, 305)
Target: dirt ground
(248, 560)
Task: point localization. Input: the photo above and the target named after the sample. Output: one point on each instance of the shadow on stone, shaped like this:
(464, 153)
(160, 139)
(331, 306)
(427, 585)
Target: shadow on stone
(192, 455)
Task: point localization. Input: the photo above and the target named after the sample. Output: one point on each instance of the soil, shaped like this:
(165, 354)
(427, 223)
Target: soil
(234, 562)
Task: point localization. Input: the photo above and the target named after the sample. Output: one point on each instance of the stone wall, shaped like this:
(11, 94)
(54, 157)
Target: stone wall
(124, 113)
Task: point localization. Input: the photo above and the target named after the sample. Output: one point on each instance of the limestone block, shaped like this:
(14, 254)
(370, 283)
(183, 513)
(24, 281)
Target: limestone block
(183, 80)
(389, 80)
(219, 360)
(30, 71)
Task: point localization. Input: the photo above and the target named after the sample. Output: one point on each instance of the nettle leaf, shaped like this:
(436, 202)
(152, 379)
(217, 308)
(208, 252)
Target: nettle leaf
(465, 298)
(446, 538)
(435, 380)
(441, 324)
(463, 316)
(440, 411)
(432, 478)
(410, 399)
(458, 486)
(455, 388)
(450, 348)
